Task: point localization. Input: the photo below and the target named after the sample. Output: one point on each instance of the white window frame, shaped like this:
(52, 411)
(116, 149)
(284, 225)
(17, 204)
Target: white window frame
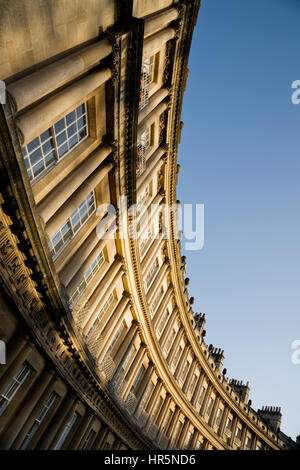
(14, 385)
(184, 370)
(105, 307)
(151, 273)
(193, 383)
(147, 77)
(177, 356)
(170, 340)
(66, 431)
(163, 321)
(87, 278)
(69, 230)
(157, 300)
(218, 417)
(143, 144)
(88, 439)
(39, 419)
(47, 144)
(210, 406)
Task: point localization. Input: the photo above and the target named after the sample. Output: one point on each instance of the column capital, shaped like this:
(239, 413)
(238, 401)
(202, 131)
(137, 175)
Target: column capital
(134, 323)
(165, 146)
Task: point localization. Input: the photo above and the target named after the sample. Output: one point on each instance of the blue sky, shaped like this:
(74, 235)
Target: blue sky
(239, 156)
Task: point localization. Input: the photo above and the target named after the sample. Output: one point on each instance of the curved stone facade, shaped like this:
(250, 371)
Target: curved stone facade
(104, 350)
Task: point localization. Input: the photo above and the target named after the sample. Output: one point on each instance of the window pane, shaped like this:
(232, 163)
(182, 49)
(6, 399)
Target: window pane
(73, 141)
(70, 117)
(71, 130)
(82, 133)
(47, 147)
(50, 158)
(61, 138)
(37, 169)
(80, 110)
(14, 385)
(87, 277)
(45, 135)
(62, 150)
(33, 144)
(43, 151)
(35, 156)
(81, 122)
(69, 229)
(59, 126)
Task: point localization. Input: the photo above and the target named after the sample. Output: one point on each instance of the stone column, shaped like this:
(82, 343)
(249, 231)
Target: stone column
(198, 388)
(81, 431)
(206, 397)
(194, 439)
(152, 117)
(183, 433)
(163, 410)
(147, 219)
(172, 425)
(34, 86)
(205, 444)
(154, 43)
(67, 209)
(154, 101)
(181, 361)
(117, 443)
(112, 324)
(34, 121)
(19, 357)
(86, 264)
(125, 347)
(73, 188)
(253, 442)
(16, 424)
(243, 438)
(153, 165)
(162, 306)
(223, 421)
(63, 414)
(75, 263)
(133, 369)
(148, 259)
(152, 401)
(161, 20)
(211, 421)
(233, 430)
(87, 435)
(173, 317)
(175, 345)
(14, 348)
(157, 281)
(189, 375)
(143, 384)
(103, 290)
(101, 437)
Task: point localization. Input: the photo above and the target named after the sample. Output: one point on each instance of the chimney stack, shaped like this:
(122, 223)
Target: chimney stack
(241, 389)
(272, 416)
